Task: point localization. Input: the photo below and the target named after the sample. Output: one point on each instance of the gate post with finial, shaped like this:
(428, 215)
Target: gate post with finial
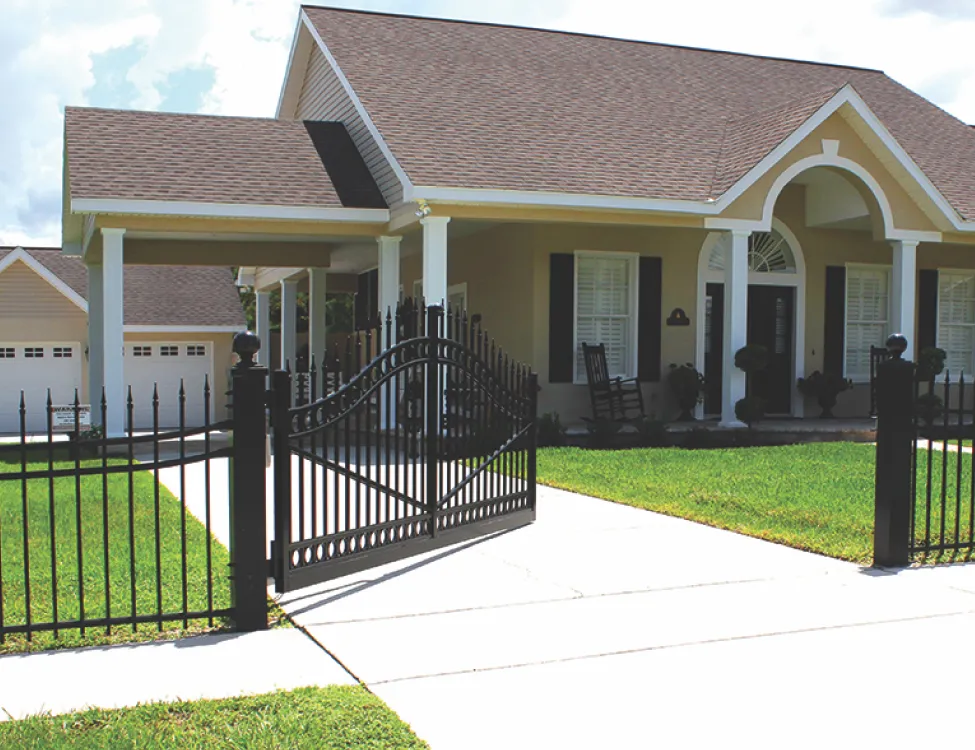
(893, 485)
(248, 494)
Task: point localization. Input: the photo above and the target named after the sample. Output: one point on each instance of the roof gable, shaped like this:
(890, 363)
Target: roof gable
(607, 117)
(20, 255)
(185, 296)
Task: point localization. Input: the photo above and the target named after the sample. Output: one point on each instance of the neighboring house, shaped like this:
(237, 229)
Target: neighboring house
(179, 324)
(569, 189)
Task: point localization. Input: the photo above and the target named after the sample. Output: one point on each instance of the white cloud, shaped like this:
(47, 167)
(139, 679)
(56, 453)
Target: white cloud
(46, 49)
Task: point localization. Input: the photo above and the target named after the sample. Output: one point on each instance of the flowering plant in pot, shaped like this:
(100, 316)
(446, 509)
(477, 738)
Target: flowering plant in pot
(824, 387)
(687, 385)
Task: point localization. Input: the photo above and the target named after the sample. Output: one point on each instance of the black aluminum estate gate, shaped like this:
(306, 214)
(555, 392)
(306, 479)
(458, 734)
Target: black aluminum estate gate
(426, 441)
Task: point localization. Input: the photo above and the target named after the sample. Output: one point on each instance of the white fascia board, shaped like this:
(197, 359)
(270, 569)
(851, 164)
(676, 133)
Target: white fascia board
(538, 199)
(19, 254)
(182, 329)
(370, 125)
(289, 72)
(229, 210)
(246, 275)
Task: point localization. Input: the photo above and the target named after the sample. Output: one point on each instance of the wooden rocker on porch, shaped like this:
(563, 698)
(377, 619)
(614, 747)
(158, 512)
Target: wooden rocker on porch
(615, 399)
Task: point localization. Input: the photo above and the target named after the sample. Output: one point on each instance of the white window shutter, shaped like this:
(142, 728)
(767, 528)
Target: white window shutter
(867, 317)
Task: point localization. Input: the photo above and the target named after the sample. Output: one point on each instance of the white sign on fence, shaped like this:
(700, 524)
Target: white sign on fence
(63, 417)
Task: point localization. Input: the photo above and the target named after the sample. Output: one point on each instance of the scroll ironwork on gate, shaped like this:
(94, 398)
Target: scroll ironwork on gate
(418, 434)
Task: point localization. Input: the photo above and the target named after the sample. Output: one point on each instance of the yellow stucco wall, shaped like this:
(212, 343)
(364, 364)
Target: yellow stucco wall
(506, 269)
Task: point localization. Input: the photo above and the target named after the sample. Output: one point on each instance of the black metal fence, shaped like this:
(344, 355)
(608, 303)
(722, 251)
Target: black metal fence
(925, 480)
(424, 434)
(91, 541)
(943, 509)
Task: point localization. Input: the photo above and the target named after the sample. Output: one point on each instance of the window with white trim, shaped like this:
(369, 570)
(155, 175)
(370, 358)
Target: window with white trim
(141, 351)
(169, 351)
(867, 316)
(196, 350)
(34, 352)
(605, 310)
(7, 352)
(956, 320)
(62, 352)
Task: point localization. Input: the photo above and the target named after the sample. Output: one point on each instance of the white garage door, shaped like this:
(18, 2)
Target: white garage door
(164, 365)
(33, 367)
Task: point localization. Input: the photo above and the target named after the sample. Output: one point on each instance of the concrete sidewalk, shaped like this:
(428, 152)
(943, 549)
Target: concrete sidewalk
(211, 666)
(608, 626)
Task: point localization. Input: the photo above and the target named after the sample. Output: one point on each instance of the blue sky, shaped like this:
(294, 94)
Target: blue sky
(228, 57)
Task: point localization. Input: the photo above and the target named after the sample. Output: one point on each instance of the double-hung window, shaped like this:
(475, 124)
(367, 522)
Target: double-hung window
(605, 310)
(867, 316)
(956, 320)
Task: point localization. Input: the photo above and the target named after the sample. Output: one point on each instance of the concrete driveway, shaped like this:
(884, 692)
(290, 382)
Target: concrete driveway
(607, 626)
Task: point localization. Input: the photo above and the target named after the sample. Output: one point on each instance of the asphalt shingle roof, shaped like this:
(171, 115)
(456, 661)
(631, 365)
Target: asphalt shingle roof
(158, 295)
(205, 158)
(498, 107)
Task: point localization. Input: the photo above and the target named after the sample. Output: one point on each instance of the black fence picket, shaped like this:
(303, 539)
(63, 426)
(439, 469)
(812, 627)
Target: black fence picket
(79, 564)
(925, 464)
(425, 436)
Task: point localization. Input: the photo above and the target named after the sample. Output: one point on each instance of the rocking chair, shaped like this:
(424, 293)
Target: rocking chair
(614, 399)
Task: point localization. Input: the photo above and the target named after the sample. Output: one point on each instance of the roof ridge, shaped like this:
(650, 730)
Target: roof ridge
(198, 115)
(494, 24)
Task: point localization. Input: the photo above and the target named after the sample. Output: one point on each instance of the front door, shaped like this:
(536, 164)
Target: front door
(770, 324)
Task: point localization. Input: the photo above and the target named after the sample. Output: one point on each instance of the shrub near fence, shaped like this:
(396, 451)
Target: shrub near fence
(94, 547)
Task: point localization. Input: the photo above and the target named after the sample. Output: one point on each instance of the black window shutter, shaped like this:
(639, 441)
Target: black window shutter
(834, 333)
(927, 309)
(373, 297)
(561, 314)
(649, 325)
(361, 305)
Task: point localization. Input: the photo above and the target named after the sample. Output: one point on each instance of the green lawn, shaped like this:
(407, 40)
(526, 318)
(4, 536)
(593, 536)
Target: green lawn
(334, 718)
(817, 496)
(116, 599)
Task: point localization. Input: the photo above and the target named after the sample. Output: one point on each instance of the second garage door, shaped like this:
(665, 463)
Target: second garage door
(165, 365)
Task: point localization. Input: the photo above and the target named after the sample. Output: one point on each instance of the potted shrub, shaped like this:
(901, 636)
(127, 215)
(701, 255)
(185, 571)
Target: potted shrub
(652, 431)
(751, 359)
(603, 432)
(687, 385)
(824, 387)
(750, 409)
(930, 363)
(550, 431)
(929, 407)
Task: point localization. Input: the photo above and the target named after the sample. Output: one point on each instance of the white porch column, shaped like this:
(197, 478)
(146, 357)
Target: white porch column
(735, 324)
(389, 265)
(903, 292)
(262, 313)
(96, 347)
(317, 279)
(435, 259)
(289, 319)
(113, 345)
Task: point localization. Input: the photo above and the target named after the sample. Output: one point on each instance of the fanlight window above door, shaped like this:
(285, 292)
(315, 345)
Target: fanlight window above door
(768, 252)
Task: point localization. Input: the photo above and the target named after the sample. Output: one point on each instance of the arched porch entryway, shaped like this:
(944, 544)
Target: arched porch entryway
(776, 314)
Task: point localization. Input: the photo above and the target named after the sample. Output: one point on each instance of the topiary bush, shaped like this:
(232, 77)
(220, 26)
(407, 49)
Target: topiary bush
(750, 409)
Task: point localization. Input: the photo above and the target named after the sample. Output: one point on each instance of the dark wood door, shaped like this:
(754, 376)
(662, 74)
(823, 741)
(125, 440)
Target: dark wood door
(713, 341)
(770, 310)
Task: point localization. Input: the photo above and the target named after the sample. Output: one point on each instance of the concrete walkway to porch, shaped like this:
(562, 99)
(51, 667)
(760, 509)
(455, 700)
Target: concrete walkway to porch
(608, 626)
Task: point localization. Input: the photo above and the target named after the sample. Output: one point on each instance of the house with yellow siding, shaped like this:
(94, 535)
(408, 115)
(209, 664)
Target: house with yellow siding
(674, 204)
